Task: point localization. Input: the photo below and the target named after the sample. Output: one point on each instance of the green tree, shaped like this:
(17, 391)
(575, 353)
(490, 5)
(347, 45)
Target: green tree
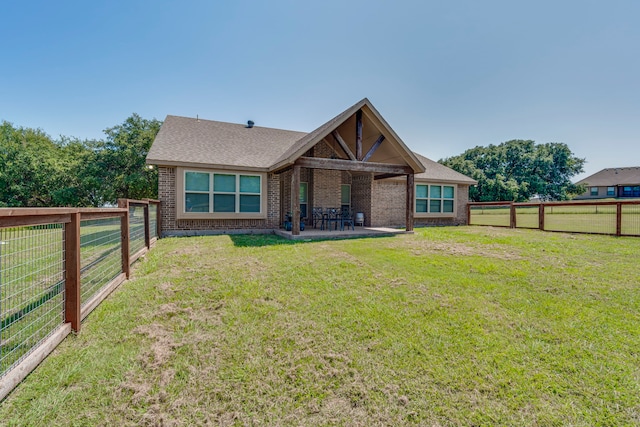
(122, 156)
(30, 167)
(518, 170)
(86, 182)
(38, 171)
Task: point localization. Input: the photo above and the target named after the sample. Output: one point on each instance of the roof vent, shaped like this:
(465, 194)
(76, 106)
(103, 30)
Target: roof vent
(250, 124)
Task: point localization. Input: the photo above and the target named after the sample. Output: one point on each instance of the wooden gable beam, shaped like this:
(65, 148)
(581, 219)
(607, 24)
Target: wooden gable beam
(373, 148)
(343, 145)
(349, 165)
(387, 175)
(359, 134)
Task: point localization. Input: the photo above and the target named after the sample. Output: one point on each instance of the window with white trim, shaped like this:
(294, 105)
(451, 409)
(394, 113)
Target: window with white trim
(213, 192)
(431, 198)
(345, 197)
(304, 198)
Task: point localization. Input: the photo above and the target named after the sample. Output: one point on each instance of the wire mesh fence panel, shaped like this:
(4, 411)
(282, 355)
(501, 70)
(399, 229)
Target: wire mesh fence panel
(582, 218)
(527, 217)
(153, 220)
(100, 254)
(31, 289)
(136, 229)
(630, 220)
(497, 215)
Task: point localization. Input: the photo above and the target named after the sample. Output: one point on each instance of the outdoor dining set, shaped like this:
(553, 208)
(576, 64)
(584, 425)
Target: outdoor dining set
(328, 219)
(332, 218)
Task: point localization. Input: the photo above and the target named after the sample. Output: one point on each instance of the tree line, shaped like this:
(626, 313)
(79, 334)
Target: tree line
(38, 171)
(519, 170)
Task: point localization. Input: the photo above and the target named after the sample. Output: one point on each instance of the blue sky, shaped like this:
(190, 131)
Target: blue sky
(447, 75)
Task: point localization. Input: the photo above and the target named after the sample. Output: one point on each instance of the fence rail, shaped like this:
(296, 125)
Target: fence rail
(56, 266)
(619, 218)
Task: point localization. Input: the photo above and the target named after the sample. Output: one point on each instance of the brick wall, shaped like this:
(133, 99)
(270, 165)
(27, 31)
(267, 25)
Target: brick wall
(167, 196)
(285, 193)
(326, 188)
(361, 190)
(273, 200)
(388, 206)
(172, 226)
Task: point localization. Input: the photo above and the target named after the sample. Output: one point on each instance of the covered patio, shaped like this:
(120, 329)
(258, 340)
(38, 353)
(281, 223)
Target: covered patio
(356, 148)
(317, 234)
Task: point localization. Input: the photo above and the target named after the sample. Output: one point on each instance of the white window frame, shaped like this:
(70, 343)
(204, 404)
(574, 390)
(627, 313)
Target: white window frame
(341, 204)
(181, 191)
(428, 199)
(306, 194)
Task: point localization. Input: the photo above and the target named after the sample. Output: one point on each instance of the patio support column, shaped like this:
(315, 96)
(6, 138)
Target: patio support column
(295, 201)
(359, 134)
(410, 202)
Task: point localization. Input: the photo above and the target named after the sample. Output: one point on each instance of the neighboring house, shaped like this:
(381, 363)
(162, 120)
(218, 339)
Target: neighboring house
(612, 182)
(217, 177)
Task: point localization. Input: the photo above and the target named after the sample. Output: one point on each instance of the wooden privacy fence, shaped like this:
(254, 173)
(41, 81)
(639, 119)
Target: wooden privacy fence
(619, 218)
(56, 266)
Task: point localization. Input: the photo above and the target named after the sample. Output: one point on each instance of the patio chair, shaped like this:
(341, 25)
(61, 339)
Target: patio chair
(346, 218)
(332, 217)
(318, 217)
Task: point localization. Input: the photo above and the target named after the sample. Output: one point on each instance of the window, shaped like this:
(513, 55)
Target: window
(196, 186)
(304, 197)
(345, 196)
(208, 192)
(435, 198)
(629, 191)
(611, 191)
(594, 191)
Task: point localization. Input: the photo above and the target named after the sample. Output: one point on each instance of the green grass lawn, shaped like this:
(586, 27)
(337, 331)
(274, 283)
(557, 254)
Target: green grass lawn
(449, 326)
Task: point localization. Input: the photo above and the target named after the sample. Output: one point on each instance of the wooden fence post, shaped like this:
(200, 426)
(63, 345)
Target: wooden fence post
(159, 219)
(541, 216)
(512, 216)
(124, 237)
(72, 303)
(618, 219)
(147, 231)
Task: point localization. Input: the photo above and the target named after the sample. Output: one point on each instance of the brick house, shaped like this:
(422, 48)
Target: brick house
(217, 177)
(612, 183)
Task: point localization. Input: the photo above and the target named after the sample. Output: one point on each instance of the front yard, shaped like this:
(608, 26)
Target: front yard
(449, 326)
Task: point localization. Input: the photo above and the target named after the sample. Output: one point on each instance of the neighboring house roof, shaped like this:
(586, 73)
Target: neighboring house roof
(613, 176)
(184, 141)
(435, 171)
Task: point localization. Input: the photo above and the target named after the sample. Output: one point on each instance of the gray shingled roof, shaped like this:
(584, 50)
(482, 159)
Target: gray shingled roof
(613, 176)
(184, 140)
(434, 171)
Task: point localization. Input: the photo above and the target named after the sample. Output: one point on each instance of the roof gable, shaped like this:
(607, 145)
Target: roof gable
(392, 150)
